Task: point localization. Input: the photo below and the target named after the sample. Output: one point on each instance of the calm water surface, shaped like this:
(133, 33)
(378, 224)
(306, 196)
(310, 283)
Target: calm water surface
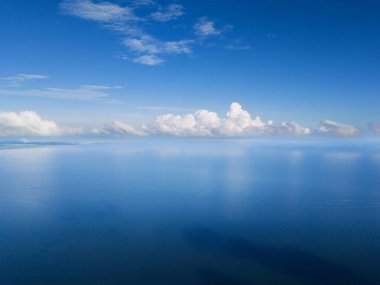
(166, 211)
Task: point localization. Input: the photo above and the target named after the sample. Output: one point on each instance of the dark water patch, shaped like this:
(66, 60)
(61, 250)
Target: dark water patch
(93, 212)
(297, 264)
(214, 277)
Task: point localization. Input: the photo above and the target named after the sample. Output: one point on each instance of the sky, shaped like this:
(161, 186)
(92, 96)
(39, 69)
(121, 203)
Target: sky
(147, 67)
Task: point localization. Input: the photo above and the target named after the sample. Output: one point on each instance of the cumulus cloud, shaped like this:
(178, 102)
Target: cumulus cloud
(329, 127)
(237, 122)
(188, 125)
(26, 123)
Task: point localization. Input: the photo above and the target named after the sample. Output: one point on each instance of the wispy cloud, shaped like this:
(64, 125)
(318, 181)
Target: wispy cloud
(148, 48)
(151, 60)
(84, 92)
(163, 108)
(112, 15)
(238, 45)
(119, 128)
(131, 22)
(375, 128)
(22, 77)
(150, 45)
(205, 27)
(332, 128)
(168, 13)
(139, 3)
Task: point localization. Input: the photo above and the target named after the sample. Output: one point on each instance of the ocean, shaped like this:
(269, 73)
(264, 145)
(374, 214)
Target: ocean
(190, 211)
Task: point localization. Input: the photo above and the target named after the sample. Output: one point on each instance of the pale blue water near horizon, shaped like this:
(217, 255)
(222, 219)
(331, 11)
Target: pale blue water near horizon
(190, 211)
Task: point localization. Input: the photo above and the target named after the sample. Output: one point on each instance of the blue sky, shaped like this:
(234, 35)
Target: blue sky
(87, 63)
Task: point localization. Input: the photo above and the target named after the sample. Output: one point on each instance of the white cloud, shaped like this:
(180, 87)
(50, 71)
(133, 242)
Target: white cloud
(26, 123)
(287, 128)
(329, 127)
(237, 122)
(188, 125)
(150, 60)
(171, 12)
(84, 92)
(207, 28)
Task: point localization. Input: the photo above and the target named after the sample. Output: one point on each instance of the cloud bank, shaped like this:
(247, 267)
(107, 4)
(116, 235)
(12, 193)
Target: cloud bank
(237, 122)
(202, 123)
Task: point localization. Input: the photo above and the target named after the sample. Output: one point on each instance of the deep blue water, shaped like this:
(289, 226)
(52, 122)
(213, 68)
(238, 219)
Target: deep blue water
(190, 211)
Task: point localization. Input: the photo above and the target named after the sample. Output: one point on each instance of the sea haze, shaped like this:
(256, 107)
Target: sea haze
(190, 211)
